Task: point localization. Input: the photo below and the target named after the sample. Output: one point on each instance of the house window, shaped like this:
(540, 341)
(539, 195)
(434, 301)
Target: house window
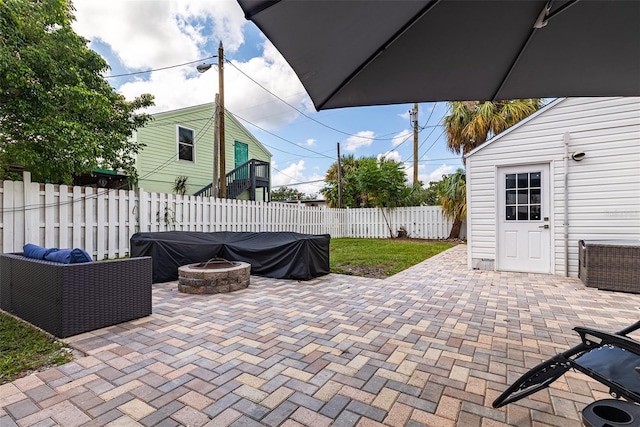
(185, 144)
(523, 197)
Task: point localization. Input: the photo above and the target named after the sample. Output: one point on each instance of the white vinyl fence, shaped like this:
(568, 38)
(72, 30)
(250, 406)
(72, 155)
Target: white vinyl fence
(102, 221)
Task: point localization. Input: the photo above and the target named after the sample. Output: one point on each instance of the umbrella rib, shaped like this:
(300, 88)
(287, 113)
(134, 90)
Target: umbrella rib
(526, 44)
(379, 51)
(514, 63)
(561, 9)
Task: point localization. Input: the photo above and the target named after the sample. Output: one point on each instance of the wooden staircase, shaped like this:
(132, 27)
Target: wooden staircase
(249, 176)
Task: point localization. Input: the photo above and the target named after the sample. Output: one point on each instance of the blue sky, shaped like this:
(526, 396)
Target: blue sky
(260, 88)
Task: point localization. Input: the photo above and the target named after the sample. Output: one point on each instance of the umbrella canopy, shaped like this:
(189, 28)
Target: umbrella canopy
(354, 52)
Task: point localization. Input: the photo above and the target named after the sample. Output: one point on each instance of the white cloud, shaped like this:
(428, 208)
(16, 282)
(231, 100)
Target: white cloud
(311, 142)
(155, 34)
(364, 138)
(390, 155)
(252, 102)
(401, 137)
(293, 174)
(436, 175)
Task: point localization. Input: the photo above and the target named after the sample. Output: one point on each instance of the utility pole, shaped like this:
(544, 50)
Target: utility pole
(223, 163)
(414, 119)
(339, 179)
(216, 145)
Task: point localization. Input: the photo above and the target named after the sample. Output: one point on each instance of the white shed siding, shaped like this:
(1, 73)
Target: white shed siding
(604, 188)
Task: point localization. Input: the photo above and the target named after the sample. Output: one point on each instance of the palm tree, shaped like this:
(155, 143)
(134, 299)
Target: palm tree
(471, 123)
(453, 198)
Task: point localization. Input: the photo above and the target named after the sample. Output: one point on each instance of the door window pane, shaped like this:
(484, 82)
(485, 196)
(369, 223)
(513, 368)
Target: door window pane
(534, 212)
(523, 213)
(534, 179)
(523, 180)
(523, 196)
(535, 196)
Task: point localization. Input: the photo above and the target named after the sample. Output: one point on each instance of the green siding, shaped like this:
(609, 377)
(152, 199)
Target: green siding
(158, 163)
(235, 131)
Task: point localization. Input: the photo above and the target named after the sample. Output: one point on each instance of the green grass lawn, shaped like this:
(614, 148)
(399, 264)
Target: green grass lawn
(380, 258)
(24, 348)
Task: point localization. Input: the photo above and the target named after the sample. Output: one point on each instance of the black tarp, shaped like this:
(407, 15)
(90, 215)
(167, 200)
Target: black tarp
(280, 255)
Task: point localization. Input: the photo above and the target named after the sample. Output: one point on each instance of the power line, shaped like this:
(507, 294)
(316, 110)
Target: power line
(279, 137)
(438, 160)
(432, 144)
(106, 191)
(199, 135)
(158, 69)
(297, 183)
(290, 177)
(302, 112)
(257, 83)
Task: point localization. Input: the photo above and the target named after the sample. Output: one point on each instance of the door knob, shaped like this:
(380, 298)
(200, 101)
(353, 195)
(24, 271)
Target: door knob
(546, 226)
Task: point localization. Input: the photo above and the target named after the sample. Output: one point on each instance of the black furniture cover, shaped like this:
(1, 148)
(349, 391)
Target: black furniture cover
(280, 255)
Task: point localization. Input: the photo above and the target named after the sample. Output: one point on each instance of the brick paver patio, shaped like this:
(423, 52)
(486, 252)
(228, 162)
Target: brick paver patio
(432, 346)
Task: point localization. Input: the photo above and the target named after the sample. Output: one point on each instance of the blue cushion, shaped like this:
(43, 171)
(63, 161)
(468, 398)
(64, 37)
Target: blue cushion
(62, 256)
(34, 251)
(80, 255)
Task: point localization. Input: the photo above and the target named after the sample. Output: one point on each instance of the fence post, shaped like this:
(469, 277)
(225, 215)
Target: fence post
(8, 213)
(31, 216)
(90, 220)
(143, 211)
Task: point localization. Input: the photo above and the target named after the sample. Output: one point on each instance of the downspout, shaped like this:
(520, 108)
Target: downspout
(566, 138)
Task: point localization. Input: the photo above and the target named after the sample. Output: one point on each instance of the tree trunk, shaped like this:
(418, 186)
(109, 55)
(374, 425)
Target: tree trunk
(387, 221)
(455, 230)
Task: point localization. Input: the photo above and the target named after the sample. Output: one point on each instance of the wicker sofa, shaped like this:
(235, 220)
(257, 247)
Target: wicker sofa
(612, 265)
(68, 299)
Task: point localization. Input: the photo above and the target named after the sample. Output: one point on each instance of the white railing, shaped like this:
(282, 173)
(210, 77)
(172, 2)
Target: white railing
(102, 221)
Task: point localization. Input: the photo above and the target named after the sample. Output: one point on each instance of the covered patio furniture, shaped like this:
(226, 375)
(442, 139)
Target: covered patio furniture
(280, 255)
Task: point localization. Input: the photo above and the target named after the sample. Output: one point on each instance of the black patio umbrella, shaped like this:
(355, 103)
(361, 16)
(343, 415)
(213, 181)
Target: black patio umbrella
(355, 52)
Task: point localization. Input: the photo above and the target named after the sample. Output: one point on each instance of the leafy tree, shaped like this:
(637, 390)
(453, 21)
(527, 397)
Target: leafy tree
(428, 196)
(367, 182)
(471, 123)
(352, 196)
(58, 116)
(384, 184)
(452, 192)
(283, 194)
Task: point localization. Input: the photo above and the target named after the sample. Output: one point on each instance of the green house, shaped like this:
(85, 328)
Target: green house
(179, 143)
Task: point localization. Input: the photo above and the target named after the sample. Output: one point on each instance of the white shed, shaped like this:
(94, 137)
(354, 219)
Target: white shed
(569, 172)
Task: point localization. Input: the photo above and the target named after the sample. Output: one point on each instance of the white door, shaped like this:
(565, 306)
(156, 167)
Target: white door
(524, 234)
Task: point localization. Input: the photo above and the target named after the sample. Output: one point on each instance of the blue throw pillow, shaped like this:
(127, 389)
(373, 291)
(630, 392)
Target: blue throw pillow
(68, 256)
(34, 251)
(62, 256)
(80, 255)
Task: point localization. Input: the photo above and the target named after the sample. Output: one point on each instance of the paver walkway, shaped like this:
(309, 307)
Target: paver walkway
(433, 346)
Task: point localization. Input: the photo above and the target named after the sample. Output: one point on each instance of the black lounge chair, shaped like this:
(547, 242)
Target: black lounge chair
(611, 359)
